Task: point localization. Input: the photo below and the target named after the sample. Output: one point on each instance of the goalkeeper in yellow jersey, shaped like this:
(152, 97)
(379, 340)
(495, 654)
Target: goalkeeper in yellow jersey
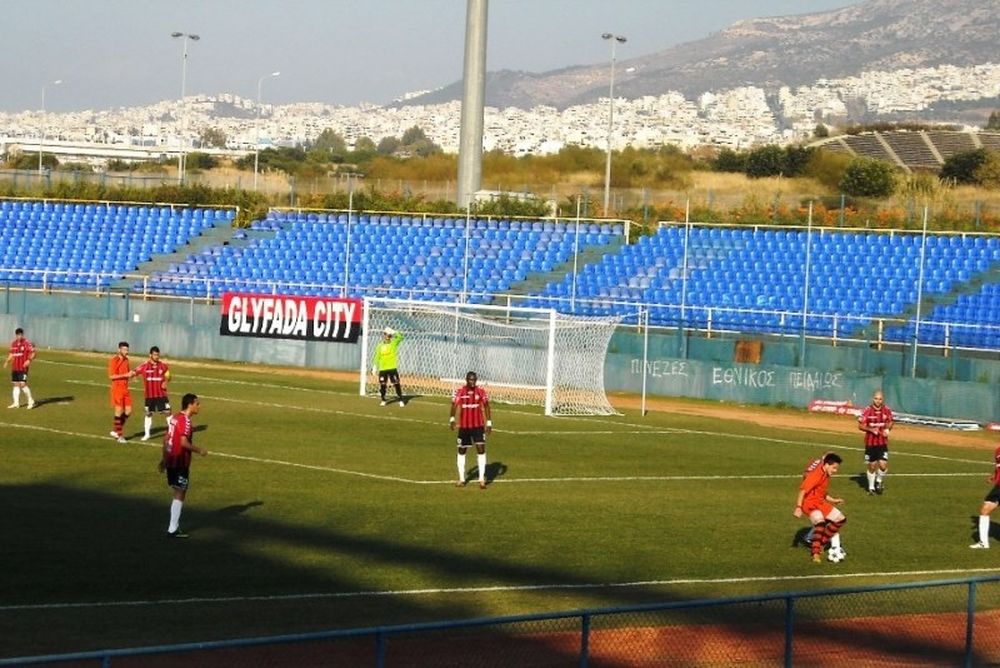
(385, 363)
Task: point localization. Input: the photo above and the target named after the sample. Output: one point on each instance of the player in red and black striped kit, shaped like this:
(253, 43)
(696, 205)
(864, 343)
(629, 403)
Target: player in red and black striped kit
(990, 504)
(876, 420)
(176, 460)
(474, 422)
(20, 356)
(154, 373)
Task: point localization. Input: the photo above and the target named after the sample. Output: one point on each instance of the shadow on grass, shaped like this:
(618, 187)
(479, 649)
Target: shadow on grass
(53, 400)
(861, 480)
(494, 470)
(94, 570)
(799, 538)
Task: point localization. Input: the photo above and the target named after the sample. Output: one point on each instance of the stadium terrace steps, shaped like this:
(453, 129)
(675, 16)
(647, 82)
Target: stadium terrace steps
(221, 233)
(931, 301)
(752, 279)
(536, 281)
(912, 150)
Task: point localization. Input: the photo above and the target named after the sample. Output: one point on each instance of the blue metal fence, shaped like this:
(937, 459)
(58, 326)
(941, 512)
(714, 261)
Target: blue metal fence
(937, 623)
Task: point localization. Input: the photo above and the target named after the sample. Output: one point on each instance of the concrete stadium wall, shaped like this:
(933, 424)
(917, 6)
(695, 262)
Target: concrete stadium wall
(954, 387)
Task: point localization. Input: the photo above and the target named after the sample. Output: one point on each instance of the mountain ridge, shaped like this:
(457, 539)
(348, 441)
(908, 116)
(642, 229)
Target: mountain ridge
(768, 52)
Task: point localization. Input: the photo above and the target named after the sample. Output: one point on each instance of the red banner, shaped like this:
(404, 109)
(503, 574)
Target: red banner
(291, 317)
(838, 407)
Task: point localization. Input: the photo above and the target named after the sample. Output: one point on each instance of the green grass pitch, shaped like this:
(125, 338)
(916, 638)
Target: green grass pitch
(319, 509)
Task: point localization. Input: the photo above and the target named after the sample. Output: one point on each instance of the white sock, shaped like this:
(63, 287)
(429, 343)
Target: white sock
(175, 515)
(984, 529)
(835, 541)
(17, 394)
(481, 463)
(461, 467)
(879, 476)
(871, 480)
(27, 393)
(147, 423)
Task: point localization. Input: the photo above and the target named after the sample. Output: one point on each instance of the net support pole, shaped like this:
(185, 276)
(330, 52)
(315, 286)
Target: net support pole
(645, 354)
(364, 346)
(805, 289)
(920, 295)
(550, 363)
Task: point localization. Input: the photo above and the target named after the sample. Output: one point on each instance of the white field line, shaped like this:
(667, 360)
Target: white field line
(630, 428)
(492, 588)
(409, 481)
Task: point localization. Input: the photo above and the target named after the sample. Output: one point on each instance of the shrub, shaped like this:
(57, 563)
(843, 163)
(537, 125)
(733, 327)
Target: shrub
(867, 177)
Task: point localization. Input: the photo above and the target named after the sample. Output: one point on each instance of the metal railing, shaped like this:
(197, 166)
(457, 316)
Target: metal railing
(709, 321)
(936, 623)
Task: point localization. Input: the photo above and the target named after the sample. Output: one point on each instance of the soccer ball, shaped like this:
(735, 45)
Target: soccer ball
(836, 554)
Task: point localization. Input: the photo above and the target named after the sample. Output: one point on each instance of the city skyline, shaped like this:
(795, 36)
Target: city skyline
(115, 53)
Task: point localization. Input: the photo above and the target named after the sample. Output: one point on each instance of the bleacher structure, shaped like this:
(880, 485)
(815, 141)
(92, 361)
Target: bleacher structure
(89, 245)
(409, 257)
(919, 150)
(889, 286)
(825, 282)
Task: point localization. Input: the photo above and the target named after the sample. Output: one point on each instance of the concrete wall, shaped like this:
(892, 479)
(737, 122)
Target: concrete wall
(677, 366)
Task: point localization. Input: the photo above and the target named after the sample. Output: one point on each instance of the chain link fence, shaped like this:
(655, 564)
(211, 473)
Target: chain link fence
(941, 623)
(764, 201)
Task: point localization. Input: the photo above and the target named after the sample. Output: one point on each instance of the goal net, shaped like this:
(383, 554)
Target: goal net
(521, 355)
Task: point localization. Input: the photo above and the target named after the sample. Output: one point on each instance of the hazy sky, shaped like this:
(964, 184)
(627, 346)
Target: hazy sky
(111, 53)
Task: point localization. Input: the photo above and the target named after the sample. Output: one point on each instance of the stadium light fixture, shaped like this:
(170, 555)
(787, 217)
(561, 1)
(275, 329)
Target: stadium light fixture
(256, 127)
(615, 40)
(185, 38)
(41, 126)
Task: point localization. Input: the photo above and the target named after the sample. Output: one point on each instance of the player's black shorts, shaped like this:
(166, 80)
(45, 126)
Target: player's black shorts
(994, 495)
(471, 436)
(874, 453)
(388, 375)
(19, 376)
(158, 405)
(178, 478)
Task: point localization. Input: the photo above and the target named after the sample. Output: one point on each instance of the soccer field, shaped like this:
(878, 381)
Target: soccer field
(319, 509)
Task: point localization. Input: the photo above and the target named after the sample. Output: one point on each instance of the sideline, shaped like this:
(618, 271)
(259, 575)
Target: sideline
(505, 480)
(488, 589)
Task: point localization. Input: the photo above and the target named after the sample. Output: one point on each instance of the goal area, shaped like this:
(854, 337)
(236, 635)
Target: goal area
(528, 356)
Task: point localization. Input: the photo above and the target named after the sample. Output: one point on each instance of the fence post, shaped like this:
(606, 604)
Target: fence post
(584, 640)
(380, 643)
(970, 616)
(789, 629)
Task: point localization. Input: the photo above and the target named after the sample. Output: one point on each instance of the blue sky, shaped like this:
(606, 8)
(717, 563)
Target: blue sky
(111, 53)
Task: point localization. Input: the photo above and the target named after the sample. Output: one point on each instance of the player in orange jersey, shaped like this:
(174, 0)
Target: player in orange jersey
(814, 502)
(121, 401)
(810, 467)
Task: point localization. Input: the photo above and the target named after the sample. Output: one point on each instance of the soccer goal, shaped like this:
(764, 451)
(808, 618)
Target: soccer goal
(521, 355)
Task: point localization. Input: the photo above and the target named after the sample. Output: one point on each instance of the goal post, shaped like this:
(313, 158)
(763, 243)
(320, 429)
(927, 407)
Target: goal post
(530, 356)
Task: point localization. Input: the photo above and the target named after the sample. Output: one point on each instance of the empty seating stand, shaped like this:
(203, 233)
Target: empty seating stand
(416, 257)
(755, 279)
(90, 245)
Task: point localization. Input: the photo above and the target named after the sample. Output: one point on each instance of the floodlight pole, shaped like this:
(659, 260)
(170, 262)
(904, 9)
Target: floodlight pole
(256, 128)
(41, 127)
(185, 38)
(615, 40)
